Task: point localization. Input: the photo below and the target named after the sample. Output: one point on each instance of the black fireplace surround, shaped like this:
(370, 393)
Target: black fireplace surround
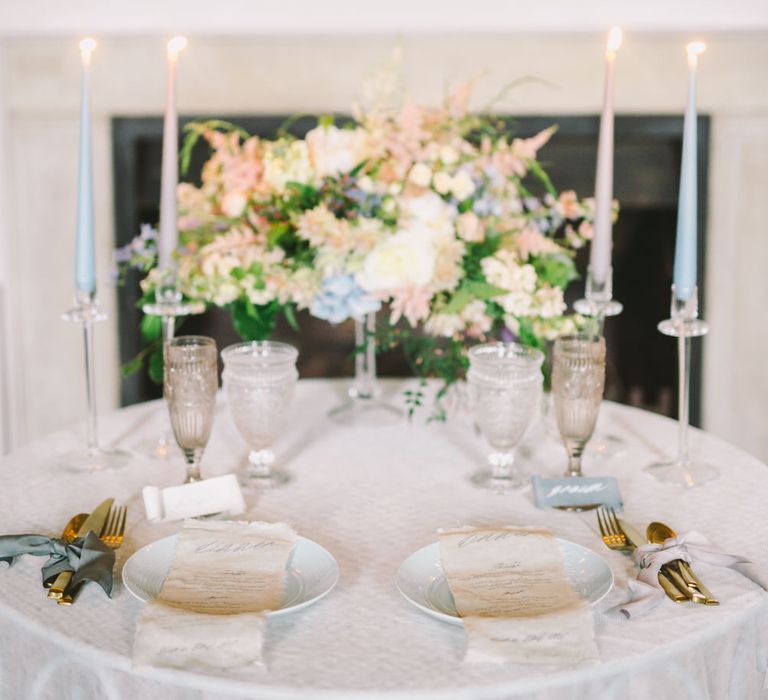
(641, 362)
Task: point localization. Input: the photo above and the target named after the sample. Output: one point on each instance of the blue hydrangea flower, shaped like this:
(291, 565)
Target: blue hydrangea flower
(341, 298)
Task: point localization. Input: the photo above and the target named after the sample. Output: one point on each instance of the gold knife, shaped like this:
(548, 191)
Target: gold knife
(679, 595)
(68, 534)
(94, 522)
(701, 594)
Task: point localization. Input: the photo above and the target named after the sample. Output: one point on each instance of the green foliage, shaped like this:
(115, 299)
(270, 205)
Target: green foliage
(468, 291)
(534, 167)
(132, 366)
(151, 328)
(155, 366)
(290, 316)
(477, 251)
(556, 269)
(253, 322)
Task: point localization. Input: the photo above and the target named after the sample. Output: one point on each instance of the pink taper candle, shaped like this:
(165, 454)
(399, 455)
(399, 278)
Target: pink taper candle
(169, 231)
(600, 252)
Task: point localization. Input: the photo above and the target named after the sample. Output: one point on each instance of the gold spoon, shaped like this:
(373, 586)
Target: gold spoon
(657, 533)
(68, 534)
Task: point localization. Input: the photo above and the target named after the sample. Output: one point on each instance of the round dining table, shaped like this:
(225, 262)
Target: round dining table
(372, 495)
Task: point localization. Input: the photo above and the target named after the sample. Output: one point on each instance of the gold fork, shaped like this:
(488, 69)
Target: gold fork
(615, 538)
(112, 535)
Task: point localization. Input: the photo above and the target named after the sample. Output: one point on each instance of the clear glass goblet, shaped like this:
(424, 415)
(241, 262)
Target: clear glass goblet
(189, 385)
(259, 379)
(505, 390)
(578, 381)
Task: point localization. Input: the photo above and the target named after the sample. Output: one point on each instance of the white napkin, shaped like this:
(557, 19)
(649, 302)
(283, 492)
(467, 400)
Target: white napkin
(209, 616)
(509, 587)
(220, 494)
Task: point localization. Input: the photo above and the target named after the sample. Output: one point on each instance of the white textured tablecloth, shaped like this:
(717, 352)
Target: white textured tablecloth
(372, 496)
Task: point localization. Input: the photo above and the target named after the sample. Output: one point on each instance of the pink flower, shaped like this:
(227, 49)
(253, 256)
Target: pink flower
(531, 242)
(411, 302)
(470, 227)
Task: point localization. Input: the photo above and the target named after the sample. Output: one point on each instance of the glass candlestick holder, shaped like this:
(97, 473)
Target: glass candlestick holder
(169, 304)
(92, 457)
(684, 324)
(364, 405)
(598, 300)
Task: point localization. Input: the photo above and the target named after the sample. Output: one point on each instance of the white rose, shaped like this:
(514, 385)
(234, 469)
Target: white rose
(334, 151)
(365, 184)
(403, 260)
(517, 303)
(462, 185)
(226, 294)
(420, 175)
(445, 325)
(448, 155)
(442, 182)
(233, 203)
(429, 210)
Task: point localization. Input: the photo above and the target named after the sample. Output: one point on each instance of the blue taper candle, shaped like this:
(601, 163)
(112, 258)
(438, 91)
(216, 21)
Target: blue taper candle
(85, 261)
(687, 229)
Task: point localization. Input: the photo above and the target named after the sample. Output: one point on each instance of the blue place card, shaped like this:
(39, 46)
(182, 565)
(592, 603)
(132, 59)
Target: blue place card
(569, 491)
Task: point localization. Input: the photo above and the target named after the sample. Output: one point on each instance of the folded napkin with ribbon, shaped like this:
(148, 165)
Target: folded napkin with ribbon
(691, 547)
(209, 616)
(510, 589)
(88, 557)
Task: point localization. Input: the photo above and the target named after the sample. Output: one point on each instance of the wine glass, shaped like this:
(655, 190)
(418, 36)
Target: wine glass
(578, 380)
(260, 378)
(505, 389)
(189, 384)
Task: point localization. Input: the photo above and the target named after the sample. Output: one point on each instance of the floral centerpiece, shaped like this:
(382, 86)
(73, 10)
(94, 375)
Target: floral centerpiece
(435, 214)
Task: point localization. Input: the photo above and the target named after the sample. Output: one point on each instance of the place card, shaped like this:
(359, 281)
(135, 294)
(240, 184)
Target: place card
(576, 491)
(220, 494)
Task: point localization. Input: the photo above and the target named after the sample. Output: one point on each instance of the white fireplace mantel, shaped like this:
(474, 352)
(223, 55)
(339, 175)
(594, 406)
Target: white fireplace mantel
(249, 17)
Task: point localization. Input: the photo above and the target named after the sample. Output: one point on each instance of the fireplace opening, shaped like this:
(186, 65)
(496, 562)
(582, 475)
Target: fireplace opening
(641, 362)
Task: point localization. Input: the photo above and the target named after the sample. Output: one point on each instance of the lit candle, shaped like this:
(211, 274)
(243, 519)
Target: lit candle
(685, 246)
(85, 263)
(169, 230)
(600, 252)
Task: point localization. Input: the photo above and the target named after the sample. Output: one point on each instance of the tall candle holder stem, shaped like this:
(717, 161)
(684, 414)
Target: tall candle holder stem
(684, 324)
(93, 458)
(364, 405)
(169, 304)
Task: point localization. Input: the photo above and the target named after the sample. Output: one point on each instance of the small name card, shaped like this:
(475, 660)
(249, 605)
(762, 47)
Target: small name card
(570, 491)
(220, 494)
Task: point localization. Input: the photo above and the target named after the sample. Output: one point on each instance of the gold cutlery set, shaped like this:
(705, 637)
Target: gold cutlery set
(107, 521)
(677, 578)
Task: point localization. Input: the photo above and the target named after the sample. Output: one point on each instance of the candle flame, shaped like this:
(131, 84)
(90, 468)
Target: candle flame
(693, 50)
(87, 47)
(614, 40)
(176, 46)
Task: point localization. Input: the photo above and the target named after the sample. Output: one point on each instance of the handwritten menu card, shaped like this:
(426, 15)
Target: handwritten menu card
(209, 615)
(510, 588)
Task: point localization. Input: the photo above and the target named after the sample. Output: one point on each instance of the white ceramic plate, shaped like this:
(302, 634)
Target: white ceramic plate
(312, 573)
(422, 581)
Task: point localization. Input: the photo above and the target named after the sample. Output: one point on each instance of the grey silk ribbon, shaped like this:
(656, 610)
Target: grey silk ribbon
(88, 557)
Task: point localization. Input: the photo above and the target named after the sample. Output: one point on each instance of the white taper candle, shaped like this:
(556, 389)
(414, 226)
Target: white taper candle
(600, 252)
(169, 231)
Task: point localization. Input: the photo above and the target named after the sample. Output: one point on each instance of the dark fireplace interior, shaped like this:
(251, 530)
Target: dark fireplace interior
(641, 362)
